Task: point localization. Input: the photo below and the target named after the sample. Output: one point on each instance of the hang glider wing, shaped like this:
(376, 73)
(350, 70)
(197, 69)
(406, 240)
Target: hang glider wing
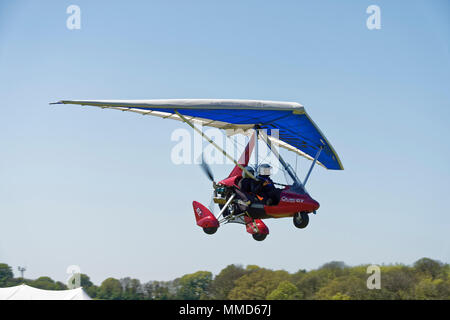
(297, 131)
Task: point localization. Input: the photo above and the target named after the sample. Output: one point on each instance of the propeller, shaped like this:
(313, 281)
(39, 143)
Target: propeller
(208, 172)
(206, 169)
(211, 205)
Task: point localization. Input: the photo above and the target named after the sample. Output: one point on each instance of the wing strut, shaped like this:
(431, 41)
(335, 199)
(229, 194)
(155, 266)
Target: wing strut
(256, 147)
(312, 165)
(249, 174)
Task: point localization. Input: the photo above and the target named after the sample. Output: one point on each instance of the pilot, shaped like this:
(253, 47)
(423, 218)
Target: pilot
(246, 188)
(266, 188)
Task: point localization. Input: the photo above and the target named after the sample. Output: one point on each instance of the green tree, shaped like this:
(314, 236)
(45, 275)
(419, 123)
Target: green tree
(85, 281)
(433, 289)
(311, 282)
(298, 276)
(132, 289)
(110, 289)
(88, 286)
(334, 265)
(60, 286)
(157, 290)
(397, 282)
(257, 284)
(194, 286)
(6, 275)
(46, 283)
(340, 296)
(345, 287)
(285, 291)
(430, 267)
(223, 283)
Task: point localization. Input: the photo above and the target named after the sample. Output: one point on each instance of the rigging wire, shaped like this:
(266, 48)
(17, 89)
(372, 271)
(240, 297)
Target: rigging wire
(235, 142)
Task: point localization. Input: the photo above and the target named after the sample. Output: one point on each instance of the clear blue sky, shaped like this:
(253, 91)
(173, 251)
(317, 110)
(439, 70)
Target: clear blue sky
(96, 188)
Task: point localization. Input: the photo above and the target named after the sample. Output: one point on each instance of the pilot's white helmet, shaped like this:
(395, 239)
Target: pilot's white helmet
(264, 170)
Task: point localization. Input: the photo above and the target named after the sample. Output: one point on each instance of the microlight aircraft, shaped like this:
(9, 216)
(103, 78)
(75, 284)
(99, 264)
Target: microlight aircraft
(296, 133)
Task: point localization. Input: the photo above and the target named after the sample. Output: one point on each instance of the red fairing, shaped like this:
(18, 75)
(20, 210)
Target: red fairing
(230, 181)
(204, 217)
(255, 226)
(290, 203)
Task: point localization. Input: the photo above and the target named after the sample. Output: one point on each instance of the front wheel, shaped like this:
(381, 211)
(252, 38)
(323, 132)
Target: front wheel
(210, 230)
(301, 220)
(259, 236)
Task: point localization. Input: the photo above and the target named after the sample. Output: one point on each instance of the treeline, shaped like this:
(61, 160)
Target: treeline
(425, 279)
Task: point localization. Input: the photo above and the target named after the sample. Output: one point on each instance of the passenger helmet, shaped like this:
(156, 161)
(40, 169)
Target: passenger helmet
(249, 169)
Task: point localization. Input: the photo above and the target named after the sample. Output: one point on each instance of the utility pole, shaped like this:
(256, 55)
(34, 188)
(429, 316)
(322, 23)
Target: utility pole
(21, 270)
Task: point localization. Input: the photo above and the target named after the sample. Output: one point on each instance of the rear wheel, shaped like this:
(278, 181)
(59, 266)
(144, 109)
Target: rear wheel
(259, 236)
(301, 220)
(210, 230)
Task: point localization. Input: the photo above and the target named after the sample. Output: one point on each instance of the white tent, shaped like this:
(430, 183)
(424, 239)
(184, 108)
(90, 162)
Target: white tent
(24, 292)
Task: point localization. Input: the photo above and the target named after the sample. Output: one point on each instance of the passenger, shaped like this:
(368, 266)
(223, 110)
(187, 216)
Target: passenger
(247, 186)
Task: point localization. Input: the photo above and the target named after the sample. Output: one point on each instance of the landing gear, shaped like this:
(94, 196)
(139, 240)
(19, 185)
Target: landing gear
(259, 236)
(210, 230)
(301, 220)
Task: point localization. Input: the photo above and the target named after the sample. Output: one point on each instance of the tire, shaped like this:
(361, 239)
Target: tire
(259, 236)
(301, 220)
(210, 230)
